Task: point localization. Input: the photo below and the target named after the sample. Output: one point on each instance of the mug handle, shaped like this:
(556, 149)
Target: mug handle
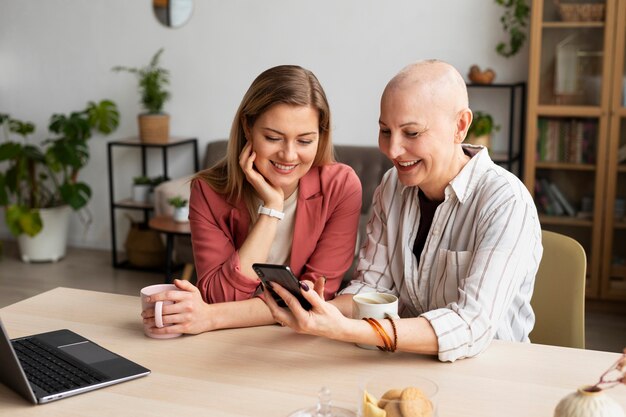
(392, 316)
(158, 314)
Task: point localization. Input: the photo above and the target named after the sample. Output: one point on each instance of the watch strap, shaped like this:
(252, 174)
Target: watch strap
(271, 212)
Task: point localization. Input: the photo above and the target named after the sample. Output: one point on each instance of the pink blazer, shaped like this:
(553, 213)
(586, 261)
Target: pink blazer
(324, 236)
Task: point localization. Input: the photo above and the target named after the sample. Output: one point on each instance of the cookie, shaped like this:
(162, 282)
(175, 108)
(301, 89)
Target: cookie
(392, 394)
(413, 403)
(393, 409)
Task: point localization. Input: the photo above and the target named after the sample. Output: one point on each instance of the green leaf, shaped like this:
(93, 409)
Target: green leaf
(20, 220)
(9, 150)
(104, 116)
(21, 128)
(76, 195)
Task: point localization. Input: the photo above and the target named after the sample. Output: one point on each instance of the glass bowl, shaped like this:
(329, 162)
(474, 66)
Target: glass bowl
(389, 395)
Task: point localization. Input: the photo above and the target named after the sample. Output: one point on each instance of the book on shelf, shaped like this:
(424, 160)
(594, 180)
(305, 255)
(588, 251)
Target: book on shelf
(566, 140)
(569, 209)
(551, 200)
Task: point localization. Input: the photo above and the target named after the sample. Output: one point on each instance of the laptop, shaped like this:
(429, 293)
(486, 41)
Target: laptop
(54, 365)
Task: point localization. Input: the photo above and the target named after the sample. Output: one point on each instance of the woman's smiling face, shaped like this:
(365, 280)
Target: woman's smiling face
(418, 138)
(285, 139)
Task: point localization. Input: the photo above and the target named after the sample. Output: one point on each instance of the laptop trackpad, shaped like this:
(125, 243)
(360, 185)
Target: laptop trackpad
(88, 352)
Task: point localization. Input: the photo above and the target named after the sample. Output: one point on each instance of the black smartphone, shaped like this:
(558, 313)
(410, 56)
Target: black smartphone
(281, 274)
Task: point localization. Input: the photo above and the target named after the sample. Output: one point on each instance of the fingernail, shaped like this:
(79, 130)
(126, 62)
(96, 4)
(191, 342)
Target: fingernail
(271, 284)
(147, 299)
(304, 286)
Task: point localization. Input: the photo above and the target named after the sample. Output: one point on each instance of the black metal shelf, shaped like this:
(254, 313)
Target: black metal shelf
(128, 204)
(511, 156)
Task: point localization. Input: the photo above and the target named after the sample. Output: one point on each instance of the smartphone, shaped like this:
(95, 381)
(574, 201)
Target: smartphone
(281, 274)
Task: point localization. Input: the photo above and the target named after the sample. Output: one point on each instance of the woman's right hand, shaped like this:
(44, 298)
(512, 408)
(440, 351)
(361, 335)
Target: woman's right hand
(272, 196)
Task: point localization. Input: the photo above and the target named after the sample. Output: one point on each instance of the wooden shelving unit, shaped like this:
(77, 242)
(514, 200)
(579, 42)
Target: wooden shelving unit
(577, 75)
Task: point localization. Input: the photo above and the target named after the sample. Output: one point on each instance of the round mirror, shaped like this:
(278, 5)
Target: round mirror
(172, 13)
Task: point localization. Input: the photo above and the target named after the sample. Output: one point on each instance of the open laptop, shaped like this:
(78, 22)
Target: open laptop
(54, 365)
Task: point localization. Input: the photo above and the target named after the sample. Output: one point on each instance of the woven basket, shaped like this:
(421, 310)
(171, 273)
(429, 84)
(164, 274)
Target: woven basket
(144, 247)
(154, 128)
(580, 12)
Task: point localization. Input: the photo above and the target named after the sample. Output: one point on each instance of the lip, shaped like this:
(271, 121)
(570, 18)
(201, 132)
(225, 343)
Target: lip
(283, 171)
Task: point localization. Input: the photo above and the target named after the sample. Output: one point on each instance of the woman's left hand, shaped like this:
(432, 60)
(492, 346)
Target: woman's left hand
(323, 319)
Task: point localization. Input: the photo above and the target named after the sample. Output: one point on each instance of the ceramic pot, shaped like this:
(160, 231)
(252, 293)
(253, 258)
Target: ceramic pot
(48, 245)
(484, 140)
(588, 402)
(181, 214)
(141, 193)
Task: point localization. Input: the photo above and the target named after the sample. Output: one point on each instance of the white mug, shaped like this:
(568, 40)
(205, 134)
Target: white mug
(376, 305)
(158, 308)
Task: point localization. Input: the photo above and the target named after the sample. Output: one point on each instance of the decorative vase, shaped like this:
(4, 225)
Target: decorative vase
(588, 402)
(181, 214)
(48, 245)
(154, 128)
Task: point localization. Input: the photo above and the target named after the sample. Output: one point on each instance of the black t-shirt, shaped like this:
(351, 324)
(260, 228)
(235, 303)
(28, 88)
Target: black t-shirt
(427, 212)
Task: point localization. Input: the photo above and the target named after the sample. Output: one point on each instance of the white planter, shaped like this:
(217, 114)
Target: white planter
(141, 193)
(181, 214)
(49, 244)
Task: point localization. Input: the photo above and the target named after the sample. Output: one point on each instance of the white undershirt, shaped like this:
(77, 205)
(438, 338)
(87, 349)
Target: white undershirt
(280, 251)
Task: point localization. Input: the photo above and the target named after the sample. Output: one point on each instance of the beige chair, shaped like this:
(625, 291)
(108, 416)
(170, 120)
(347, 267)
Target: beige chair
(559, 295)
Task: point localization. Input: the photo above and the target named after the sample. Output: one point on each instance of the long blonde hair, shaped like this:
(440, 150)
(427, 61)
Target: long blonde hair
(284, 84)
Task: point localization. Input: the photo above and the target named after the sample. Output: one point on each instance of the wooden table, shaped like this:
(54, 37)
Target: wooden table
(171, 228)
(271, 371)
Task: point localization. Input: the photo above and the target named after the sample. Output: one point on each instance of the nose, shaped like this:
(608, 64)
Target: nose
(395, 146)
(288, 151)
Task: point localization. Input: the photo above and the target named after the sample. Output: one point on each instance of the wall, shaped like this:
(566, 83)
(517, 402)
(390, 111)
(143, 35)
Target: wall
(55, 55)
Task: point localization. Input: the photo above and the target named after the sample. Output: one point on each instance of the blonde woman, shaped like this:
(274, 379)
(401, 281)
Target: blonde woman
(277, 197)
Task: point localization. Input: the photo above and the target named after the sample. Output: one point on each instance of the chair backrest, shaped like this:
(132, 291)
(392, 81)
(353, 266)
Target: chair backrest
(559, 295)
(367, 161)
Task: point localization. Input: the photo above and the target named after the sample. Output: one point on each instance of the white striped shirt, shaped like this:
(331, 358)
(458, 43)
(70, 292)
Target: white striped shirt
(476, 273)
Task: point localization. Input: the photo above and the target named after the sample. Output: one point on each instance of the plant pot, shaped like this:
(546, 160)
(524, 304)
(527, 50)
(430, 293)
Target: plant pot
(154, 128)
(48, 245)
(483, 140)
(587, 402)
(181, 214)
(141, 193)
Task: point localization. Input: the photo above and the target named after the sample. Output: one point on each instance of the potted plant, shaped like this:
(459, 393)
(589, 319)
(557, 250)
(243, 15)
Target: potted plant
(181, 210)
(39, 183)
(154, 124)
(141, 189)
(514, 21)
(481, 129)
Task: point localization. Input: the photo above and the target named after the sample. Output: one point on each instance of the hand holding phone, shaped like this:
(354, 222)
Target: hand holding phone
(281, 274)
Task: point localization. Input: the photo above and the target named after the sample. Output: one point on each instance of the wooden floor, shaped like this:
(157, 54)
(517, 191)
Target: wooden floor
(91, 269)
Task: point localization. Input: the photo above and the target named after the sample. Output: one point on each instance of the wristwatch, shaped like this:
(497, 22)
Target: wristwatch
(271, 212)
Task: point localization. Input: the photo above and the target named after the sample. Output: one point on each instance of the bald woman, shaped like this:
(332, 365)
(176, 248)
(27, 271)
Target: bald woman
(453, 235)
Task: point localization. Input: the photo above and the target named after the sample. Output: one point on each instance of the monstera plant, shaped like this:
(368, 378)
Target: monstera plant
(45, 175)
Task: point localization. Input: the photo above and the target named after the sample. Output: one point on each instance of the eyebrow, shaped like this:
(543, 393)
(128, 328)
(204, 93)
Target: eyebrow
(404, 124)
(281, 133)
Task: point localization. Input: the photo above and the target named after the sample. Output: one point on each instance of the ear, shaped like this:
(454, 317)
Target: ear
(463, 122)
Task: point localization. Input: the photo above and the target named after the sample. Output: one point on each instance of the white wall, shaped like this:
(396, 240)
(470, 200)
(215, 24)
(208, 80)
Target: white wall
(55, 55)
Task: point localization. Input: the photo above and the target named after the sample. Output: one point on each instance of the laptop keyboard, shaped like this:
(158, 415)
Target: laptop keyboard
(50, 369)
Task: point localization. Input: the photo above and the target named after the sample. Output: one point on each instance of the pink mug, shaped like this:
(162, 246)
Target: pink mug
(158, 308)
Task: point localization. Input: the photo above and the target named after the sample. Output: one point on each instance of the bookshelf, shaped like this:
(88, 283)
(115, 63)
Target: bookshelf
(576, 124)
